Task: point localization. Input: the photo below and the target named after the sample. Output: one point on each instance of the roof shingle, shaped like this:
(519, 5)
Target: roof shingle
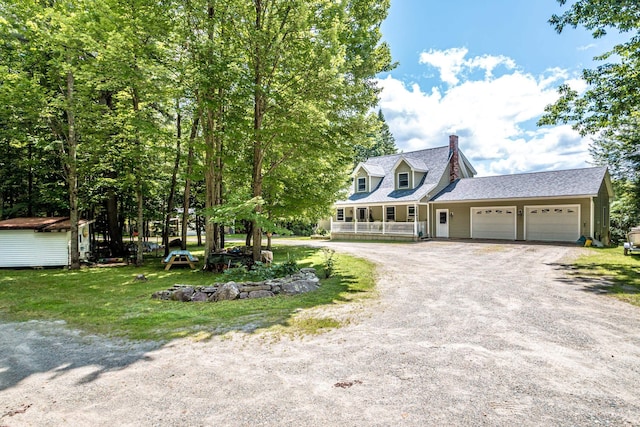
(564, 183)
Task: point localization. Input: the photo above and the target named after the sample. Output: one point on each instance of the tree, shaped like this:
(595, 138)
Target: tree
(613, 97)
(619, 151)
(610, 107)
(310, 76)
(379, 143)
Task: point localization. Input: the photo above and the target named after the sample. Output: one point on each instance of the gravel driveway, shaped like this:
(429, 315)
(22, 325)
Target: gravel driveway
(463, 334)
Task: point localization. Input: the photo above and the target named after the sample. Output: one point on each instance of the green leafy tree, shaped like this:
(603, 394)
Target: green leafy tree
(379, 143)
(610, 107)
(613, 95)
(310, 76)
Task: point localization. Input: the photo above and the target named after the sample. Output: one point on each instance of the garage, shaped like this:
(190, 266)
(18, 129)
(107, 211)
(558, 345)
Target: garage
(559, 223)
(493, 223)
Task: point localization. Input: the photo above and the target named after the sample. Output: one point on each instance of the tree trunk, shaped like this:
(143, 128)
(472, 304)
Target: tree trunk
(248, 225)
(30, 156)
(258, 151)
(198, 229)
(72, 174)
(172, 188)
(187, 187)
(114, 228)
(139, 195)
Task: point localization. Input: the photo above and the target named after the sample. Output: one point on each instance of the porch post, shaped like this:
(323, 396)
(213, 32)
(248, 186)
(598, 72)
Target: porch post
(415, 219)
(384, 218)
(428, 230)
(355, 220)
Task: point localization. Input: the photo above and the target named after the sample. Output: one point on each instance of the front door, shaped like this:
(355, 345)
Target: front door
(442, 223)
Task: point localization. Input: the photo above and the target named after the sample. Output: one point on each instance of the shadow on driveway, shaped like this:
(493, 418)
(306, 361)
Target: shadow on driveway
(34, 347)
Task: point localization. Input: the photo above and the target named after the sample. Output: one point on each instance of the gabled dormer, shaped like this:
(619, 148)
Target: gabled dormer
(408, 173)
(366, 177)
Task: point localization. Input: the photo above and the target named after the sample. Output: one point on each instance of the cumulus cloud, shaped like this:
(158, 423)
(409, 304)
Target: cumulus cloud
(451, 63)
(494, 115)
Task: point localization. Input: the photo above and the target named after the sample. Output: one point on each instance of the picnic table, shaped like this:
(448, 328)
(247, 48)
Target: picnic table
(180, 257)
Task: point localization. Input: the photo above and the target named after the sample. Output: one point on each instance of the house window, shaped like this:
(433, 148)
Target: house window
(362, 184)
(362, 214)
(403, 180)
(340, 214)
(391, 213)
(411, 213)
(443, 217)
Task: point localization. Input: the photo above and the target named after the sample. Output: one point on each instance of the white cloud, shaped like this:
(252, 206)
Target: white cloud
(587, 46)
(494, 116)
(451, 63)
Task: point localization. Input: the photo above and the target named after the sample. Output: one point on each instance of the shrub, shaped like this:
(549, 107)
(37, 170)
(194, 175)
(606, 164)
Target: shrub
(329, 261)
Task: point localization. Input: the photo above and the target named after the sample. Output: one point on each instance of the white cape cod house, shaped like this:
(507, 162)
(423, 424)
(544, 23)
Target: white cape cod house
(433, 193)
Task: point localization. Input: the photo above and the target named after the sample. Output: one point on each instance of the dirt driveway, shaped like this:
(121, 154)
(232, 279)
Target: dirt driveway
(462, 334)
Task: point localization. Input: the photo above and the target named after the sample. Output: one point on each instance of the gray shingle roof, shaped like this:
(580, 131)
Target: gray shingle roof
(435, 160)
(573, 182)
(373, 170)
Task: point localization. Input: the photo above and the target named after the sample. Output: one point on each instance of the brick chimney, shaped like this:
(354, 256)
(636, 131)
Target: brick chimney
(454, 165)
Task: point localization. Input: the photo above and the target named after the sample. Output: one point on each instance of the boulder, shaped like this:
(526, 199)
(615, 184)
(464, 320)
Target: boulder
(260, 294)
(199, 296)
(183, 294)
(228, 291)
(299, 287)
(252, 288)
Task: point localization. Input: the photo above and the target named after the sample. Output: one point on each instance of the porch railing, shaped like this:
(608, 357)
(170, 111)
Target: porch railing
(379, 227)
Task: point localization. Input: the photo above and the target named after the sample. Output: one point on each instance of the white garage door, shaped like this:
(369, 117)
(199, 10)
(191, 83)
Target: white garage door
(493, 223)
(552, 223)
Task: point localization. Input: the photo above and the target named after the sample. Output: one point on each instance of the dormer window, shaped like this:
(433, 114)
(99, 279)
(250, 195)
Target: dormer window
(362, 184)
(403, 180)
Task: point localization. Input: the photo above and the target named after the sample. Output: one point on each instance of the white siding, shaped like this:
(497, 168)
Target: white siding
(26, 248)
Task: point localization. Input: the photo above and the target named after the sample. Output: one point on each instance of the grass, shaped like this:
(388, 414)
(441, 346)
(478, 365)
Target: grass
(109, 301)
(624, 271)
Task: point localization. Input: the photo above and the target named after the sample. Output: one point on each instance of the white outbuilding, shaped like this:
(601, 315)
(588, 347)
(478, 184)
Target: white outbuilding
(41, 242)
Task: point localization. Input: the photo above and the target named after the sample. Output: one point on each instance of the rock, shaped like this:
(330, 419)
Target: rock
(260, 294)
(304, 281)
(183, 294)
(252, 288)
(228, 291)
(298, 287)
(164, 295)
(140, 278)
(308, 270)
(199, 297)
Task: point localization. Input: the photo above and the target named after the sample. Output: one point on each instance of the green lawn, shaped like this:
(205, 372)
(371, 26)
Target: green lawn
(108, 301)
(611, 263)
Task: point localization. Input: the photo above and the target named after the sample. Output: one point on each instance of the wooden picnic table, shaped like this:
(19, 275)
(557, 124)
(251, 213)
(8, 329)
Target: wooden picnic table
(180, 257)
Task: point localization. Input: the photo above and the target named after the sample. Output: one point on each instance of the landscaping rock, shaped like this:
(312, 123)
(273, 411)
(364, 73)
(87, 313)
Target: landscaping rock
(260, 294)
(228, 291)
(200, 296)
(252, 288)
(299, 287)
(303, 281)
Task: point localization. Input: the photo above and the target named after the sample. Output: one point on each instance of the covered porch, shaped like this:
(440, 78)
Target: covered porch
(383, 222)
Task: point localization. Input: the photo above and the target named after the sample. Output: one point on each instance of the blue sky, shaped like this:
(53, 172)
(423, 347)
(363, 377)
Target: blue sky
(484, 70)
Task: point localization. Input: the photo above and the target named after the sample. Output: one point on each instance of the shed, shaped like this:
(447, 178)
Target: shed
(41, 242)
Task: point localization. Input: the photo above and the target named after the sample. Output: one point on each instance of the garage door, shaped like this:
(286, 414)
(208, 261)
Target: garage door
(552, 223)
(493, 223)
